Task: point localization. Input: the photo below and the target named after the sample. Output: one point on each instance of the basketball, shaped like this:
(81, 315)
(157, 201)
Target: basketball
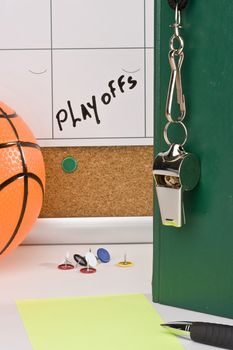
(22, 179)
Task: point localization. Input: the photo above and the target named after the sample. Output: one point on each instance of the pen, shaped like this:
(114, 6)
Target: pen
(214, 334)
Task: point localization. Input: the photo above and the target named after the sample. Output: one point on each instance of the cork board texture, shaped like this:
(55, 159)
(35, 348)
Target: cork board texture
(109, 181)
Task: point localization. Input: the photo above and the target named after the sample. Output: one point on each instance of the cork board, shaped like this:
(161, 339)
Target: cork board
(109, 181)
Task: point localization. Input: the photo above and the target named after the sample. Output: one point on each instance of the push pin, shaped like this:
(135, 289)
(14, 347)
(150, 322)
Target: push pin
(103, 255)
(88, 270)
(66, 265)
(125, 263)
(91, 259)
(80, 260)
(91, 263)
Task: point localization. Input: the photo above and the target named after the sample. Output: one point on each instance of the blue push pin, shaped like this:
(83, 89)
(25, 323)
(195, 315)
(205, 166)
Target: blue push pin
(103, 255)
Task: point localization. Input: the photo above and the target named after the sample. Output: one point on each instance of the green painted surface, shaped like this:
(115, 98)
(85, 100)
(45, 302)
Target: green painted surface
(193, 265)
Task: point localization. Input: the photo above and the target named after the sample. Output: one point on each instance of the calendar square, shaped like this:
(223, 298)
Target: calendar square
(25, 24)
(149, 23)
(26, 87)
(96, 24)
(99, 93)
(149, 92)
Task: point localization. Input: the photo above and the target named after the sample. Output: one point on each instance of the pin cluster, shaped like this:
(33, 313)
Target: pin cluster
(89, 261)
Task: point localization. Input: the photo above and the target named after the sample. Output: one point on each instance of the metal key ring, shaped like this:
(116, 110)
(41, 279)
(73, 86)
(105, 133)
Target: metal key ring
(165, 135)
(180, 41)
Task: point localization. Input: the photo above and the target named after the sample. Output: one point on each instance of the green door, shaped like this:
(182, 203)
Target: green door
(193, 265)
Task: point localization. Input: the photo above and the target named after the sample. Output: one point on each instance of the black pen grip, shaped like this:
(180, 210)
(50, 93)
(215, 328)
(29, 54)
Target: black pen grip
(212, 334)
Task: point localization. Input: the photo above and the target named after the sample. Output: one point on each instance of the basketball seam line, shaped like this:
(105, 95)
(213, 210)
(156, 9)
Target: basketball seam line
(22, 143)
(25, 195)
(25, 190)
(25, 174)
(6, 116)
(21, 175)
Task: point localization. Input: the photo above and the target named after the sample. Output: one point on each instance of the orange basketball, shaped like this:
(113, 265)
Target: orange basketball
(22, 179)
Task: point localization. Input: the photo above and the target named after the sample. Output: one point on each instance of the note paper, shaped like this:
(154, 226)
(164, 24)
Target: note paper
(101, 323)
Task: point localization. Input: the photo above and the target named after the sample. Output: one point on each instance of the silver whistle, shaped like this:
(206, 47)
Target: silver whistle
(174, 171)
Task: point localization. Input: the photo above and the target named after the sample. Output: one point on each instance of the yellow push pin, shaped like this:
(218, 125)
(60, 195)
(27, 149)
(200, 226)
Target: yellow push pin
(125, 263)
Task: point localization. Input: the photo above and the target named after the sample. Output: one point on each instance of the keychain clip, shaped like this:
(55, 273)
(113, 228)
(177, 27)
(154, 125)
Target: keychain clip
(176, 57)
(175, 170)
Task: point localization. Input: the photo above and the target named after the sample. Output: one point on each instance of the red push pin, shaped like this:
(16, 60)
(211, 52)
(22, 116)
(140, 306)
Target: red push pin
(91, 263)
(88, 270)
(66, 264)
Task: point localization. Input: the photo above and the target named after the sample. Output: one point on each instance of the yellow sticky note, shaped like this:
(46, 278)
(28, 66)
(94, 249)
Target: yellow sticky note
(121, 322)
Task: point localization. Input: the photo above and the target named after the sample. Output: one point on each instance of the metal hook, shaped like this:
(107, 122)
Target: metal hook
(176, 57)
(176, 36)
(175, 80)
(177, 24)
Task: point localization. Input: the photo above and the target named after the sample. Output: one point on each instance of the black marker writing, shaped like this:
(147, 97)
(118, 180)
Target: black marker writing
(121, 83)
(74, 120)
(93, 106)
(132, 82)
(112, 88)
(59, 119)
(90, 109)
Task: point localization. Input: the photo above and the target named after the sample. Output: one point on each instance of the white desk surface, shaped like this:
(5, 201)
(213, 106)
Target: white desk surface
(31, 272)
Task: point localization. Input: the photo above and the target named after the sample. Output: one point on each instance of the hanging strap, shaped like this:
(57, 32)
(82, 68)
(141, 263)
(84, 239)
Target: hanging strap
(181, 4)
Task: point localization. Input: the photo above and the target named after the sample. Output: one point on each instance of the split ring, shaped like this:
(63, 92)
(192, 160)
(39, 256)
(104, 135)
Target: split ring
(165, 133)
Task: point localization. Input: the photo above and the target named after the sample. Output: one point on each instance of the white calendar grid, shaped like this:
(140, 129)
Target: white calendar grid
(57, 51)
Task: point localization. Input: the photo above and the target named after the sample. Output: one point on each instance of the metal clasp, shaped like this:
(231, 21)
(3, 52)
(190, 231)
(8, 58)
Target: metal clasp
(177, 23)
(176, 57)
(175, 80)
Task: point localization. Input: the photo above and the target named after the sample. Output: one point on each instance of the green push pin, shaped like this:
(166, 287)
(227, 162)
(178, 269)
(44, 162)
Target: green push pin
(69, 164)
